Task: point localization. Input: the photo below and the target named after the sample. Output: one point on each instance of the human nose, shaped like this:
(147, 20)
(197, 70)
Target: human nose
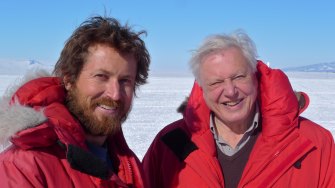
(229, 88)
(113, 90)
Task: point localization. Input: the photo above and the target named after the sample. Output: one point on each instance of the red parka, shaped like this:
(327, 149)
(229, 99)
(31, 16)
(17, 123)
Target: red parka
(290, 151)
(51, 150)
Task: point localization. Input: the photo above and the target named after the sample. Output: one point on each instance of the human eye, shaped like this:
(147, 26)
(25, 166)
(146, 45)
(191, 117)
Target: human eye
(239, 77)
(214, 84)
(126, 81)
(101, 76)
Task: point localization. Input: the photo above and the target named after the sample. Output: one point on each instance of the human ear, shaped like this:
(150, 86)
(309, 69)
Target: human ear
(67, 83)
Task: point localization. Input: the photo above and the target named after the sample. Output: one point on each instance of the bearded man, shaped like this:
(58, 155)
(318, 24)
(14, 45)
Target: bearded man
(65, 129)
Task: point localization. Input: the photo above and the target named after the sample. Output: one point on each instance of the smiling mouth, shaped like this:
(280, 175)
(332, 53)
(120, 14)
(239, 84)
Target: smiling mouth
(232, 103)
(108, 107)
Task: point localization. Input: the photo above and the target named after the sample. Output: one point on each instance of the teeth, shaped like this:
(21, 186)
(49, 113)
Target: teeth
(231, 103)
(107, 107)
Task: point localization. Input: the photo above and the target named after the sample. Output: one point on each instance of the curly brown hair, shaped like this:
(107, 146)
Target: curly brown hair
(107, 31)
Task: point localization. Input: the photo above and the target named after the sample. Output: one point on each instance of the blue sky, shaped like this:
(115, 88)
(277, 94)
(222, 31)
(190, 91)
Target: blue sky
(287, 33)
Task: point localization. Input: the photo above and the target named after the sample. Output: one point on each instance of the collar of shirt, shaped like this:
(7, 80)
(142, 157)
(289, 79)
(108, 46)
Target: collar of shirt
(223, 145)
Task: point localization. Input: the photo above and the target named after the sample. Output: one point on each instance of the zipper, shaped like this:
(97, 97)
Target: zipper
(130, 170)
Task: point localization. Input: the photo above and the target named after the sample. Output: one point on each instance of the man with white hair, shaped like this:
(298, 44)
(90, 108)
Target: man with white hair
(240, 128)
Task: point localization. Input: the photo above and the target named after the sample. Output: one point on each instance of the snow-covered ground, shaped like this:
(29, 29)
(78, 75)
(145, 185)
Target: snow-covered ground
(156, 103)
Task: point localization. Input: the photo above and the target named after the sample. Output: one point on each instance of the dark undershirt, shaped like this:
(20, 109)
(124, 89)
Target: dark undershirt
(233, 166)
(101, 152)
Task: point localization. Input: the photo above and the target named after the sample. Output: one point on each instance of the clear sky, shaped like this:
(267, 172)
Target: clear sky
(287, 33)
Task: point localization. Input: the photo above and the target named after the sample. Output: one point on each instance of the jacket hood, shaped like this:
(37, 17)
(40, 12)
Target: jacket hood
(38, 100)
(14, 116)
(197, 113)
(278, 104)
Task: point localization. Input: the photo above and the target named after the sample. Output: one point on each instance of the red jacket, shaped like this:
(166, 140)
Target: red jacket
(290, 151)
(51, 150)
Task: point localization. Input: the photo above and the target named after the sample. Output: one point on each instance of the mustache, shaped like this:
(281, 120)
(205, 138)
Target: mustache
(106, 101)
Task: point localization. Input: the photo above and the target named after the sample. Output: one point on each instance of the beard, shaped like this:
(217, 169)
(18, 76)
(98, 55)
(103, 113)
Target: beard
(83, 110)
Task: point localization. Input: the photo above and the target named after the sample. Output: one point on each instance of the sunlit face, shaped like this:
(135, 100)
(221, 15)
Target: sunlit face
(229, 86)
(102, 95)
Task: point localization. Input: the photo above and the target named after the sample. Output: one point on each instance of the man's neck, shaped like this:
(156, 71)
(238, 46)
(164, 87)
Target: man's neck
(232, 133)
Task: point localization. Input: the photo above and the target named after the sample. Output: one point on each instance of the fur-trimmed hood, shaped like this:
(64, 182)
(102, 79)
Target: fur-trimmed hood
(38, 100)
(33, 115)
(14, 116)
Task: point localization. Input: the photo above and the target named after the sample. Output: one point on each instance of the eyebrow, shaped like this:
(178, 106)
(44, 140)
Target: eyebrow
(110, 73)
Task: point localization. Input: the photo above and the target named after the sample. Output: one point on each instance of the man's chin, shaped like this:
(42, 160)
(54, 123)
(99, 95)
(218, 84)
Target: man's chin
(110, 117)
(107, 132)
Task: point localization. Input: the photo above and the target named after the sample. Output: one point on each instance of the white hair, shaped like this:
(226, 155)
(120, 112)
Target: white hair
(215, 43)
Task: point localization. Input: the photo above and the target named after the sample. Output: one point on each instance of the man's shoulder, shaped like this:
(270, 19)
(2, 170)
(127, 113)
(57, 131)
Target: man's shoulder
(17, 155)
(171, 144)
(178, 124)
(315, 132)
(164, 135)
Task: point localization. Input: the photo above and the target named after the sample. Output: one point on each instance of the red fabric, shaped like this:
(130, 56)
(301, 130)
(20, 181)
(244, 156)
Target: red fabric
(36, 160)
(286, 141)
